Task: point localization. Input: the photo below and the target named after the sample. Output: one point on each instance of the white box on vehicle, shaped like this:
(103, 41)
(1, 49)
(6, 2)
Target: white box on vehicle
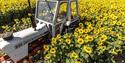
(17, 48)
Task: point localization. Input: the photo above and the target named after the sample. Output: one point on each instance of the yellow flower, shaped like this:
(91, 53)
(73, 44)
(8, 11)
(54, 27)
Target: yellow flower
(29, 14)
(80, 41)
(102, 48)
(54, 41)
(47, 56)
(67, 35)
(87, 49)
(81, 31)
(61, 39)
(58, 36)
(68, 41)
(81, 24)
(89, 38)
(118, 23)
(101, 29)
(113, 51)
(100, 43)
(110, 29)
(87, 23)
(123, 24)
(81, 36)
(77, 29)
(74, 55)
(46, 47)
(96, 32)
(115, 17)
(119, 35)
(86, 30)
(76, 34)
(52, 50)
(73, 13)
(112, 22)
(85, 35)
(103, 38)
(95, 36)
(90, 27)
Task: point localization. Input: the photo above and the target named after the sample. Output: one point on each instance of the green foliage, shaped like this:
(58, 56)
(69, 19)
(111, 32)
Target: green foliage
(13, 9)
(19, 25)
(98, 40)
(7, 6)
(83, 46)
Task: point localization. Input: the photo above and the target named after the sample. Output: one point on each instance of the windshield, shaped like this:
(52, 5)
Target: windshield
(46, 10)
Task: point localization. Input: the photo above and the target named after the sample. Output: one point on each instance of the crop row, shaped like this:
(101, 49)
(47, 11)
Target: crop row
(19, 24)
(11, 9)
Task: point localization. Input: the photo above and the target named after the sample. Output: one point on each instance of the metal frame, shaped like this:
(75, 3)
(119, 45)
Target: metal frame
(57, 7)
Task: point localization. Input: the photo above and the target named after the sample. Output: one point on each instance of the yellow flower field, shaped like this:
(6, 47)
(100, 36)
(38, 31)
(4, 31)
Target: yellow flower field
(7, 6)
(99, 37)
